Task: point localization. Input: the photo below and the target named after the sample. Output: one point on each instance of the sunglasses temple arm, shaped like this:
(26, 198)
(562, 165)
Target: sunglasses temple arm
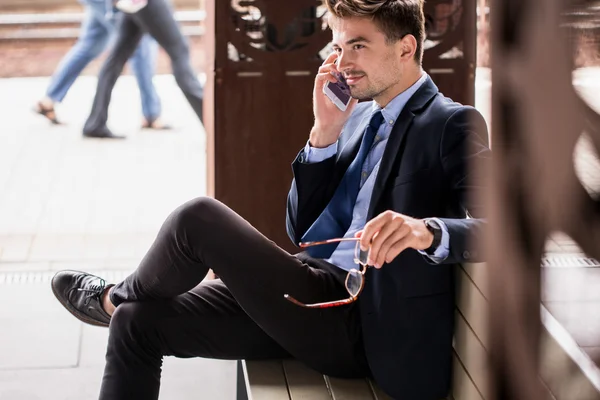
(320, 305)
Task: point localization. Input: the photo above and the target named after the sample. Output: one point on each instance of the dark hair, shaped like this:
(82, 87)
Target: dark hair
(395, 18)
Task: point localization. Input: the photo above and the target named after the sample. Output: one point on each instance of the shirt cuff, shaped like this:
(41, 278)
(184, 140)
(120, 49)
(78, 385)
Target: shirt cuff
(443, 250)
(315, 155)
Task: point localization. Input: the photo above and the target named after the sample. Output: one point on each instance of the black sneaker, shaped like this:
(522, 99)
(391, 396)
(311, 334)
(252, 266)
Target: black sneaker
(81, 294)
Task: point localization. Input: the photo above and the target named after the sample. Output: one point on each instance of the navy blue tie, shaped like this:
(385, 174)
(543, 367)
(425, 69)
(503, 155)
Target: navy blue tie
(335, 220)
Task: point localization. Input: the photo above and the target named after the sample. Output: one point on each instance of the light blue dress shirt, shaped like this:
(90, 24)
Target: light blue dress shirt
(343, 256)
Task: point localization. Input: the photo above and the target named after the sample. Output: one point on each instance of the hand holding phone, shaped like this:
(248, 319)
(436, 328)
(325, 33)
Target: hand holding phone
(332, 104)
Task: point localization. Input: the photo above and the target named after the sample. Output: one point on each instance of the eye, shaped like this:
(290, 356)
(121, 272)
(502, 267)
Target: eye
(357, 47)
(337, 50)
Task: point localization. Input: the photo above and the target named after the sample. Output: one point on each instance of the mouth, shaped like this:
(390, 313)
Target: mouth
(351, 80)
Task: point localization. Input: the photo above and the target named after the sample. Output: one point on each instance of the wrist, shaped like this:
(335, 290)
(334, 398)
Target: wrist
(321, 138)
(434, 238)
(428, 239)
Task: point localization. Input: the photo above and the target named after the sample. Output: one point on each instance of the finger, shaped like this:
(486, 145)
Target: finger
(397, 248)
(326, 76)
(330, 58)
(327, 68)
(399, 234)
(321, 80)
(384, 233)
(369, 231)
(372, 227)
(358, 234)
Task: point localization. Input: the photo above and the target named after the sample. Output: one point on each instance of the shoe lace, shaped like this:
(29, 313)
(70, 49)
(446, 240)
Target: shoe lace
(93, 292)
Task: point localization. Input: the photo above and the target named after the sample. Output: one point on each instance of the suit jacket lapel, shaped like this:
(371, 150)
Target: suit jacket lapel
(397, 137)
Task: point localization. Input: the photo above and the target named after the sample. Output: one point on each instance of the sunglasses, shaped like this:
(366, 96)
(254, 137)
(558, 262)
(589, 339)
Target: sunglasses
(355, 280)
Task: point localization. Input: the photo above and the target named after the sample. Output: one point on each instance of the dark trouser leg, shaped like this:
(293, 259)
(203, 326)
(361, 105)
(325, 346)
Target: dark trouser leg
(128, 36)
(205, 322)
(249, 318)
(157, 19)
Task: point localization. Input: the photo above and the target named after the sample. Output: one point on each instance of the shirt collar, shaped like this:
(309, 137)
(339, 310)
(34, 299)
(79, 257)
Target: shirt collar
(392, 110)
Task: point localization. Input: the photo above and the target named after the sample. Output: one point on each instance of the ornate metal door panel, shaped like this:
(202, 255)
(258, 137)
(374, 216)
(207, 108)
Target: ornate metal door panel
(265, 58)
(450, 48)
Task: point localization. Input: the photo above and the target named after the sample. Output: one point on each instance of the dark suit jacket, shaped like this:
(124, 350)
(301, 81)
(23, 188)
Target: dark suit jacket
(407, 307)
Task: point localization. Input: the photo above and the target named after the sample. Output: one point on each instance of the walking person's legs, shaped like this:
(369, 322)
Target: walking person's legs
(143, 64)
(129, 35)
(158, 20)
(161, 309)
(94, 37)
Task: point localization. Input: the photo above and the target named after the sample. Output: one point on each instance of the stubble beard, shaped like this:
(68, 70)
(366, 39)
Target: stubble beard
(370, 92)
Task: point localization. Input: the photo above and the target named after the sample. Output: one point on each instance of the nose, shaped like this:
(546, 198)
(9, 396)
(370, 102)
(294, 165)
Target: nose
(343, 63)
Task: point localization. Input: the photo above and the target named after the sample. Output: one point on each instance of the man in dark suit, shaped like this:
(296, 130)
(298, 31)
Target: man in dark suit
(389, 176)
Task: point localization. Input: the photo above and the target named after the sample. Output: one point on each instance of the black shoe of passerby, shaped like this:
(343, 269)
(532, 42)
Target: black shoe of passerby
(81, 294)
(102, 133)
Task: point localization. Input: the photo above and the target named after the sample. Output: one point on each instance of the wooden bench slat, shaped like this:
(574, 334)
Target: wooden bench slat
(304, 383)
(472, 305)
(479, 273)
(268, 380)
(463, 387)
(472, 354)
(349, 389)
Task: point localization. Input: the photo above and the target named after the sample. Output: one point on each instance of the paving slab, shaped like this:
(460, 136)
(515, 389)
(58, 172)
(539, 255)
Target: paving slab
(36, 332)
(183, 380)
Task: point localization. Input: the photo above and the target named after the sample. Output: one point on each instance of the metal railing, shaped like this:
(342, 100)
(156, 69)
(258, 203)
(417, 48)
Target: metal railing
(40, 26)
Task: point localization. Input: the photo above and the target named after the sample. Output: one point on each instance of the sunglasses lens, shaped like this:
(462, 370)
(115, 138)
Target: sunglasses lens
(354, 282)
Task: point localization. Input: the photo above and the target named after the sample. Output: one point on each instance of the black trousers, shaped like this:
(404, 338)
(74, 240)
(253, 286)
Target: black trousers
(163, 309)
(156, 19)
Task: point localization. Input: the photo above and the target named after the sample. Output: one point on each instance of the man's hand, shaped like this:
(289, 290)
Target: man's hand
(329, 120)
(389, 234)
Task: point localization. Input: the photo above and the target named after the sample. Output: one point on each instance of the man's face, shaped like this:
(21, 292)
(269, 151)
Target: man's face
(371, 66)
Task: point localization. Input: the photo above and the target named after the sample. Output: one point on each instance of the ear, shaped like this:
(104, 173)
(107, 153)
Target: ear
(408, 47)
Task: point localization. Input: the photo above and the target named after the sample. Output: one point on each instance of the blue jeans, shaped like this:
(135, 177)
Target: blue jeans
(96, 31)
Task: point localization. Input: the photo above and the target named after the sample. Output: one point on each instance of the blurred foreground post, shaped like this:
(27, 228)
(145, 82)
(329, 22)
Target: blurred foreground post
(537, 120)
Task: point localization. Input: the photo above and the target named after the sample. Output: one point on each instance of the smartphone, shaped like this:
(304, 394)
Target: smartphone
(339, 92)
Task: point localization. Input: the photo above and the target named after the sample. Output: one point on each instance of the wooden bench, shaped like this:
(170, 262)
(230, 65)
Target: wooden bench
(290, 379)
(566, 371)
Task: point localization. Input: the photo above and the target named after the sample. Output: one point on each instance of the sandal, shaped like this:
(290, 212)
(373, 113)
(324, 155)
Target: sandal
(49, 113)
